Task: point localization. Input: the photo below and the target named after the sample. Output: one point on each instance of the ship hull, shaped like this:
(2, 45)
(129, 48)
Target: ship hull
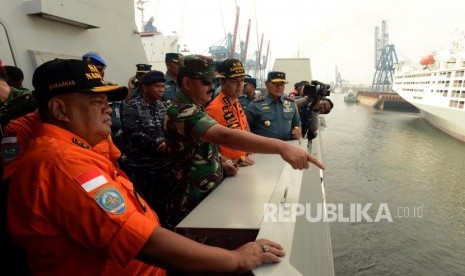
(437, 92)
(450, 121)
(385, 101)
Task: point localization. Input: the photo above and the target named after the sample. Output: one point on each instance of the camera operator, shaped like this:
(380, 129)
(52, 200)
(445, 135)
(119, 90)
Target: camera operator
(134, 82)
(313, 102)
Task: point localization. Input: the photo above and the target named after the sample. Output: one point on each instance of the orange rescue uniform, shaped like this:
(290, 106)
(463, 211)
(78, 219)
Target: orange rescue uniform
(74, 213)
(229, 114)
(20, 131)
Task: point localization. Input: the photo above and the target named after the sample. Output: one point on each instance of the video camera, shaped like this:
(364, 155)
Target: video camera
(135, 82)
(315, 89)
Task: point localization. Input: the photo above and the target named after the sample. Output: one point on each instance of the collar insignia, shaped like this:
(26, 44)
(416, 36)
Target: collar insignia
(79, 143)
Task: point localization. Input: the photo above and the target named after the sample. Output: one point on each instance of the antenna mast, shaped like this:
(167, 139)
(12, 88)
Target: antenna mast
(140, 6)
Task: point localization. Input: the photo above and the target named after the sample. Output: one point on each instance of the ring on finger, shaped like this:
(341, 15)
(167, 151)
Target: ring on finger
(265, 248)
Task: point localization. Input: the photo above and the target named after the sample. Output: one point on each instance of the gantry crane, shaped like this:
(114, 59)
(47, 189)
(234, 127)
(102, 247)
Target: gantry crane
(385, 58)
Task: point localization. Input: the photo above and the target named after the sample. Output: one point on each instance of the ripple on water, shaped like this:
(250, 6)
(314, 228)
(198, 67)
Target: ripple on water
(399, 159)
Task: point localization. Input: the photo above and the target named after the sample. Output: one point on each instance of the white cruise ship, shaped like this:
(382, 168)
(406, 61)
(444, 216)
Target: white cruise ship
(436, 86)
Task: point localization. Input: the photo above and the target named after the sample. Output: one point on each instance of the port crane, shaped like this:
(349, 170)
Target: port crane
(221, 52)
(227, 49)
(385, 58)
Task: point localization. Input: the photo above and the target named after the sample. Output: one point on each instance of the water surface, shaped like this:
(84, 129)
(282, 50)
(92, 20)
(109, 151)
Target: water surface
(399, 159)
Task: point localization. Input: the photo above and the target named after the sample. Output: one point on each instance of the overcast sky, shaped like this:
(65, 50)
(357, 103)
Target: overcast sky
(329, 32)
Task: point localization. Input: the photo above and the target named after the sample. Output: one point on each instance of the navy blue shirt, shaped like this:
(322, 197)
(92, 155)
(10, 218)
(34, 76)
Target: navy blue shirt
(171, 89)
(245, 101)
(273, 118)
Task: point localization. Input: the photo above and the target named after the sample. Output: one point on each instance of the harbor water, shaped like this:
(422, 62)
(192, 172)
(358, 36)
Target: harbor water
(417, 173)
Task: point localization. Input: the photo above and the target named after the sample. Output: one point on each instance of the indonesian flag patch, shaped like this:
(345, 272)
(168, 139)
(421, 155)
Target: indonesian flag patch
(91, 180)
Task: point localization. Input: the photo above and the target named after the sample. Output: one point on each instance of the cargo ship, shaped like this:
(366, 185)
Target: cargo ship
(385, 101)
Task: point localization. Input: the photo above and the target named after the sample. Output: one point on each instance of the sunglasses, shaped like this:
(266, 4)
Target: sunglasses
(206, 82)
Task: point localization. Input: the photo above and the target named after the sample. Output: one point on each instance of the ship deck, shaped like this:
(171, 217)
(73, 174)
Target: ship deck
(234, 214)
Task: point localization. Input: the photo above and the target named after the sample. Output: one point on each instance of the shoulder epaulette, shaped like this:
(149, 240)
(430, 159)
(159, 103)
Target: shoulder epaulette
(288, 99)
(258, 99)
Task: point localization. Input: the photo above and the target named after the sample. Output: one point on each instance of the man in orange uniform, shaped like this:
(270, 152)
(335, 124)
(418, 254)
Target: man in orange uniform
(226, 108)
(73, 212)
(20, 131)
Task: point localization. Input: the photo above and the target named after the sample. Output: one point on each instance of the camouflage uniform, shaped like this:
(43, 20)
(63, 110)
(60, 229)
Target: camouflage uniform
(146, 167)
(196, 168)
(195, 165)
(19, 102)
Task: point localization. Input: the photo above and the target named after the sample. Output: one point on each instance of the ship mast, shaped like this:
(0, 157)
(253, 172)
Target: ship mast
(140, 6)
